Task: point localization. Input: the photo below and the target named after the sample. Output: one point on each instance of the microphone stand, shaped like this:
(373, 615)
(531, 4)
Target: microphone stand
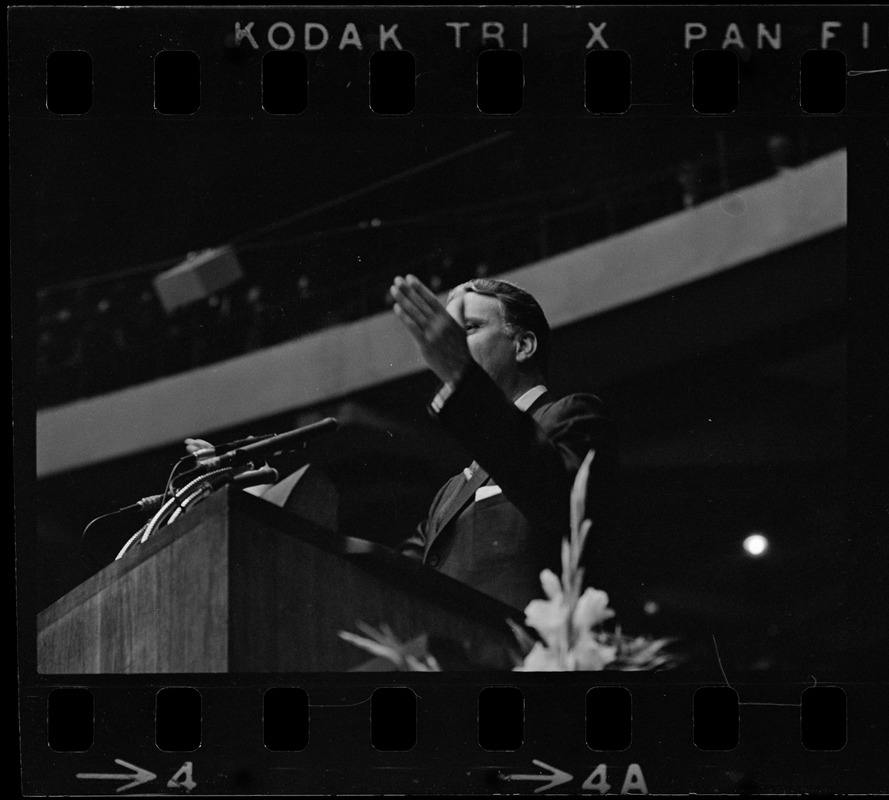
(225, 468)
(194, 491)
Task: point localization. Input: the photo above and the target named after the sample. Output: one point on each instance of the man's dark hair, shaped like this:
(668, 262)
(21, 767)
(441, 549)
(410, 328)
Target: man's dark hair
(520, 311)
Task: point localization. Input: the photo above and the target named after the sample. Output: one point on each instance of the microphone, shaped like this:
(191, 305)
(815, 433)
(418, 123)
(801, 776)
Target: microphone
(280, 443)
(252, 477)
(150, 503)
(212, 450)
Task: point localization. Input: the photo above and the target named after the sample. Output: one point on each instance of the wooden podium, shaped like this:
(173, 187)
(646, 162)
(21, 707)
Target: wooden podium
(240, 585)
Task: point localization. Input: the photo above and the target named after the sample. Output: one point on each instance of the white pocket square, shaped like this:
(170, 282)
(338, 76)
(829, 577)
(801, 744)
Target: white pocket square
(487, 491)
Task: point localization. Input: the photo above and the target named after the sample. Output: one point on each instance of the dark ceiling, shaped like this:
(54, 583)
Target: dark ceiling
(102, 196)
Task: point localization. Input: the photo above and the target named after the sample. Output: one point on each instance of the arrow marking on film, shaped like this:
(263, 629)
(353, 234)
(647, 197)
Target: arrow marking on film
(138, 776)
(556, 777)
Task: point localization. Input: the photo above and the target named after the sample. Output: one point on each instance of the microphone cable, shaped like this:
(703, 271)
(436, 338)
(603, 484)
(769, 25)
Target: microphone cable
(176, 500)
(149, 503)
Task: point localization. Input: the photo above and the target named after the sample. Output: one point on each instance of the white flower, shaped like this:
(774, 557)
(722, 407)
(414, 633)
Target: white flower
(569, 622)
(548, 618)
(588, 654)
(551, 584)
(591, 610)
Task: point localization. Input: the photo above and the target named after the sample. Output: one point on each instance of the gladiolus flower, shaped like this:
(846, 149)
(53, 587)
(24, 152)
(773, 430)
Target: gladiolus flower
(588, 654)
(551, 584)
(541, 659)
(547, 617)
(591, 610)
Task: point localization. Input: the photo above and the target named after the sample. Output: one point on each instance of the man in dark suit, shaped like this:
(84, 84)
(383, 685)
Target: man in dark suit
(500, 522)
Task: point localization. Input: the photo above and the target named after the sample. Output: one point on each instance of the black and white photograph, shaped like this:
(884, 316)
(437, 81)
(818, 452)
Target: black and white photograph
(354, 343)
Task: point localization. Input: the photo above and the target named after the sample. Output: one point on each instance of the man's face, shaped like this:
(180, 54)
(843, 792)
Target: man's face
(490, 344)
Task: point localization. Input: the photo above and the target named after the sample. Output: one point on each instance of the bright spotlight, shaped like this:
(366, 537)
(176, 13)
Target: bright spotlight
(756, 544)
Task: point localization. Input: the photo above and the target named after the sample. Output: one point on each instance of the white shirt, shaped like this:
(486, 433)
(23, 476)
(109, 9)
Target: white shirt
(528, 399)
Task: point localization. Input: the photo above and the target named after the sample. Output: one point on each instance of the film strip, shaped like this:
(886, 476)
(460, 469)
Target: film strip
(496, 141)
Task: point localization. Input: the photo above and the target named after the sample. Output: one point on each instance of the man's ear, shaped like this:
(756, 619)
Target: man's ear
(526, 346)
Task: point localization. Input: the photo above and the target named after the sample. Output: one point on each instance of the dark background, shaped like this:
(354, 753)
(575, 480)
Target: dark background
(736, 396)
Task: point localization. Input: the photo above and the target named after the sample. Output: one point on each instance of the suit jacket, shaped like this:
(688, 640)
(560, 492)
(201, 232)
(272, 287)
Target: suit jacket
(500, 544)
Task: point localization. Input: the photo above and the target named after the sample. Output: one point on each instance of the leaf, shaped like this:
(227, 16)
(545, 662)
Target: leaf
(380, 650)
(578, 492)
(525, 640)
(566, 566)
(413, 657)
(584, 533)
(384, 635)
(578, 582)
(424, 663)
(388, 632)
(371, 631)
(642, 653)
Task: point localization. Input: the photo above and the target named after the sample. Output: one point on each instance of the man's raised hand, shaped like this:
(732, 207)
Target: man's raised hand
(438, 332)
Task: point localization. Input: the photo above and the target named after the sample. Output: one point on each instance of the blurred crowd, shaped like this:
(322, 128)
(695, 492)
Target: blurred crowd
(100, 336)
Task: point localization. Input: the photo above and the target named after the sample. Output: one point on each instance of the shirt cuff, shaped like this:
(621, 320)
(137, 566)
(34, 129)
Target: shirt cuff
(447, 389)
